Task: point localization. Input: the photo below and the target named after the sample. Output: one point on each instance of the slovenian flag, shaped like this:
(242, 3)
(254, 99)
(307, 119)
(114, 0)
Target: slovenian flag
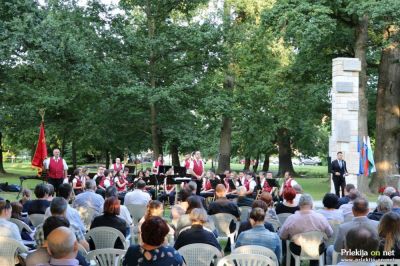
(367, 163)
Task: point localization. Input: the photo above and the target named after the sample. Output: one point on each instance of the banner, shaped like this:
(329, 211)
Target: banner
(41, 150)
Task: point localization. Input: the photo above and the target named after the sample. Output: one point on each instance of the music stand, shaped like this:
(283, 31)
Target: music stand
(272, 182)
(162, 169)
(180, 171)
(231, 184)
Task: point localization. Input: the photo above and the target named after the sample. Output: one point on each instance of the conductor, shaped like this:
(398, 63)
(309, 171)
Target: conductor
(339, 171)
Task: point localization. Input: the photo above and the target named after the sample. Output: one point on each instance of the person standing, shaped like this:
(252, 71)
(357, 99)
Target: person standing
(56, 169)
(197, 170)
(339, 171)
(117, 166)
(156, 164)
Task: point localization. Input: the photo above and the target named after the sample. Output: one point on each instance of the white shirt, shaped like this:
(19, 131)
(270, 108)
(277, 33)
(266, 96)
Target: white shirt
(121, 164)
(46, 163)
(10, 230)
(137, 197)
(191, 165)
(72, 216)
(125, 215)
(252, 185)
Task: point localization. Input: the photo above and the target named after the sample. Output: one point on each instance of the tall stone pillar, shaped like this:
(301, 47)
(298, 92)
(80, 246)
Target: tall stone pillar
(344, 135)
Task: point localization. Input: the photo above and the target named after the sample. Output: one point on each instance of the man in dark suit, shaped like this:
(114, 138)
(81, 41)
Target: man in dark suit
(339, 171)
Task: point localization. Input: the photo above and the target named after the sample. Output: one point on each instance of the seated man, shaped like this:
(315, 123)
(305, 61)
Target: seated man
(40, 256)
(362, 238)
(59, 207)
(7, 228)
(138, 195)
(222, 204)
(62, 247)
(40, 204)
(258, 235)
(302, 221)
(89, 199)
(384, 205)
(192, 185)
(65, 191)
(242, 199)
(345, 199)
(347, 207)
(396, 204)
(246, 225)
(250, 184)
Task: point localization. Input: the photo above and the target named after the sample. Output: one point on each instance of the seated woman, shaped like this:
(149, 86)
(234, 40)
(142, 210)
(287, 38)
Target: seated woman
(154, 209)
(197, 233)
(270, 214)
(288, 205)
(389, 233)
(209, 184)
(246, 225)
(78, 181)
(152, 251)
(110, 219)
(120, 182)
(330, 212)
(185, 220)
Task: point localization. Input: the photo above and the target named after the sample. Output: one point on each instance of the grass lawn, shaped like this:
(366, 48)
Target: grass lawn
(313, 179)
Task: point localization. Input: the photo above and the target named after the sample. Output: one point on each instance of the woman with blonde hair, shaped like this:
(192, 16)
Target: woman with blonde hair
(389, 233)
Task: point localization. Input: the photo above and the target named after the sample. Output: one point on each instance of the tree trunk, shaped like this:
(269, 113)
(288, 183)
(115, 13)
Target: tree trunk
(224, 159)
(174, 153)
(256, 163)
(73, 155)
(285, 152)
(266, 162)
(1, 154)
(360, 53)
(247, 162)
(387, 117)
(108, 159)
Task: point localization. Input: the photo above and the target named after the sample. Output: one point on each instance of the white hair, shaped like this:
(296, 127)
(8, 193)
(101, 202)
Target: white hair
(384, 203)
(306, 199)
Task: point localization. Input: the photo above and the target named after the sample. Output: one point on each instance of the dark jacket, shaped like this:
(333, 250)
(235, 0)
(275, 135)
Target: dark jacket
(246, 225)
(111, 221)
(244, 201)
(336, 168)
(196, 234)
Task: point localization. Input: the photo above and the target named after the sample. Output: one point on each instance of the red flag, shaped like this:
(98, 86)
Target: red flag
(41, 149)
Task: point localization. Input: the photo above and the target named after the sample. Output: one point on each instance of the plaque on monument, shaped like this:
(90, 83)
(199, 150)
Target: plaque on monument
(351, 65)
(352, 105)
(343, 132)
(344, 86)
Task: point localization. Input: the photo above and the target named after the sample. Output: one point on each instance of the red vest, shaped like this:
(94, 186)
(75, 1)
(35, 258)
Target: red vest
(78, 181)
(288, 183)
(187, 163)
(119, 168)
(56, 169)
(266, 186)
(208, 185)
(121, 179)
(227, 185)
(197, 167)
(247, 184)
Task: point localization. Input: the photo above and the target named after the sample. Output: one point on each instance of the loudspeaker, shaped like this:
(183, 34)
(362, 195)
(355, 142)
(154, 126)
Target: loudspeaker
(329, 160)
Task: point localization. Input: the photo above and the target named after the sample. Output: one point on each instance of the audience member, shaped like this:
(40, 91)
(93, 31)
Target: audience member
(259, 235)
(345, 199)
(193, 187)
(389, 233)
(305, 220)
(154, 231)
(360, 210)
(197, 233)
(270, 214)
(390, 192)
(384, 205)
(65, 191)
(222, 204)
(363, 239)
(246, 225)
(51, 192)
(330, 212)
(347, 208)
(40, 256)
(242, 199)
(17, 212)
(288, 205)
(59, 207)
(7, 228)
(124, 213)
(40, 204)
(299, 192)
(396, 204)
(26, 196)
(110, 219)
(62, 247)
(138, 195)
(89, 199)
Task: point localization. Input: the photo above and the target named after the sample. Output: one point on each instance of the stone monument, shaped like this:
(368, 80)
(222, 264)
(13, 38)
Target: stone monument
(344, 135)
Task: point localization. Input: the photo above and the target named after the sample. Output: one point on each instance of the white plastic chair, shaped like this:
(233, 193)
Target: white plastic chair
(222, 222)
(283, 216)
(275, 223)
(9, 249)
(21, 225)
(36, 219)
(106, 257)
(335, 227)
(244, 213)
(199, 254)
(87, 215)
(105, 237)
(309, 243)
(137, 211)
(254, 249)
(245, 260)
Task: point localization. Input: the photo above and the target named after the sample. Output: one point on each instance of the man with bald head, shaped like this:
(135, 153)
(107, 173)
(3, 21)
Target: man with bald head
(222, 204)
(56, 168)
(62, 247)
